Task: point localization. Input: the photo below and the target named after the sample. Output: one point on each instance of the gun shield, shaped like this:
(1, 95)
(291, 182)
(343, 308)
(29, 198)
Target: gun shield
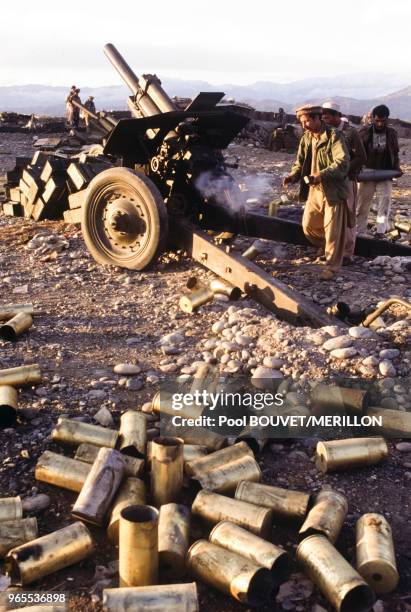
(167, 470)
(173, 539)
(8, 406)
(131, 493)
(14, 533)
(138, 540)
(284, 503)
(16, 326)
(350, 453)
(375, 553)
(62, 471)
(344, 588)
(48, 554)
(238, 540)
(69, 431)
(11, 509)
(88, 453)
(21, 376)
(133, 433)
(224, 479)
(326, 516)
(164, 597)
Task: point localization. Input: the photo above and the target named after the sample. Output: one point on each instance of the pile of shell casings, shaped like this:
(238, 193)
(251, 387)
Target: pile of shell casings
(202, 293)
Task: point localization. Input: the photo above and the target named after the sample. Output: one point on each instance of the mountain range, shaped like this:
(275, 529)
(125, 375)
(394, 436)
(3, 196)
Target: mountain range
(356, 94)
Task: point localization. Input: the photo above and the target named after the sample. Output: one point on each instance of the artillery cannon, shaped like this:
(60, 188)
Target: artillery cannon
(174, 183)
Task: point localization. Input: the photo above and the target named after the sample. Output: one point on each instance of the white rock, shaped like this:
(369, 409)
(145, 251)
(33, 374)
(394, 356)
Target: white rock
(338, 342)
(331, 330)
(96, 394)
(173, 338)
(370, 361)
(360, 332)
(389, 353)
(263, 378)
(401, 324)
(273, 362)
(103, 417)
(344, 353)
(243, 340)
(387, 369)
(218, 327)
(127, 369)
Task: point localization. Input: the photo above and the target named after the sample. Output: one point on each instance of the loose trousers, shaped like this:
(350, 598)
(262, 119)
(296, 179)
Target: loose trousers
(351, 231)
(366, 191)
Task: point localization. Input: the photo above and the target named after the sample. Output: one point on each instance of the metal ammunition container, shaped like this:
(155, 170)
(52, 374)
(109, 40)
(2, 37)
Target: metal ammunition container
(69, 431)
(224, 479)
(238, 540)
(62, 471)
(231, 573)
(394, 422)
(20, 376)
(173, 540)
(100, 487)
(10, 311)
(189, 303)
(328, 399)
(16, 326)
(138, 540)
(326, 517)
(350, 453)
(375, 553)
(161, 597)
(167, 470)
(88, 453)
(340, 584)
(8, 406)
(284, 503)
(131, 493)
(11, 509)
(219, 285)
(133, 433)
(48, 554)
(218, 459)
(14, 533)
(214, 508)
(162, 405)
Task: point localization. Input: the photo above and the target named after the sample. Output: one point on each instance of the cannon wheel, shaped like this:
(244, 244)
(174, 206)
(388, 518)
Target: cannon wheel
(124, 219)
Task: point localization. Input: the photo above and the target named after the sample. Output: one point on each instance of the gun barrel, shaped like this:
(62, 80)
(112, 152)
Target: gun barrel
(122, 67)
(104, 121)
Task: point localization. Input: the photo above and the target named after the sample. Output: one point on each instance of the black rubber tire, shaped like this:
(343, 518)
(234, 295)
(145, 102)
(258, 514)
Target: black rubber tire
(145, 193)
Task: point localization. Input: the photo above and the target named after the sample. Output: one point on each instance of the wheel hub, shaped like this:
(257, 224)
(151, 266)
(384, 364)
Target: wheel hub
(124, 222)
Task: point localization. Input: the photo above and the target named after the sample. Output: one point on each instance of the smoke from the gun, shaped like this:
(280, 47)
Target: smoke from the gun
(225, 192)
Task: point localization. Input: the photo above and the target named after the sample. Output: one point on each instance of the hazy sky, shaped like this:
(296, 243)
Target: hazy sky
(56, 43)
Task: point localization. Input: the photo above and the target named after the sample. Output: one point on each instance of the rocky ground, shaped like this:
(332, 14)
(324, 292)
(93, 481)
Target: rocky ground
(90, 318)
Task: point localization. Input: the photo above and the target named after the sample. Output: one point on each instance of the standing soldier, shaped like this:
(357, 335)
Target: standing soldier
(76, 111)
(89, 104)
(69, 106)
(332, 116)
(321, 168)
(381, 147)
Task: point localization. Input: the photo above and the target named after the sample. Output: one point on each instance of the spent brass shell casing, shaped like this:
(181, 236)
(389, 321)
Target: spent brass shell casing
(193, 451)
(162, 405)
(21, 376)
(14, 533)
(161, 597)
(100, 487)
(199, 435)
(225, 478)
(231, 573)
(62, 471)
(218, 459)
(138, 546)
(11, 509)
(326, 517)
(16, 326)
(340, 584)
(238, 540)
(284, 503)
(350, 453)
(255, 442)
(189, 303)
(131, 493)
(219, 285)
(394, 422)
(69, 431)
(375, 553)
(167, 470)
(9, 311)
(88, 453)
(8, 406)
(59, 607)
(331, 398)
(48, 554)
(133, 433)
(251, 253)
(173, 539)
(214, 508)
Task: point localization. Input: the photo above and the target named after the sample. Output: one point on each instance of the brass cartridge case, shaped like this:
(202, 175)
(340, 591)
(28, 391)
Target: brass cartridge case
(204, 437)
(219, 285)
(14, 533)
(340, 584)
(326, 517)
(56, 607)
(88, 453)
(133, 433)
(162, 405)
(230, 573)
(350, 453)
(214, 508)
(16, 326)
(167, 470)
(100, 487)
(8, 406)
(255, 442)
(158, 598)
(10, 310)
(238, 540)
(20, 376)
(193, 451)
(375, 553)
(189, 303)
(284, 503)
(218, 459)
(48, 554)
(131, 493)
(329, 399)
(224, 479)
(69, 431)
(252, 252)
(138, 540)
(173, 539)
(62, 471)
(394, 422)
(11, 509)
